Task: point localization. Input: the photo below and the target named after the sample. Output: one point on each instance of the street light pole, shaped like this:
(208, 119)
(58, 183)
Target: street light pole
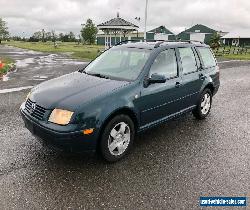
(146, 17)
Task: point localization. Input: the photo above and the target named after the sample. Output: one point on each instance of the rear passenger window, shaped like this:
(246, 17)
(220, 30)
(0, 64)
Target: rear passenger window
(188, 60)
(165, 64)
(207, 57)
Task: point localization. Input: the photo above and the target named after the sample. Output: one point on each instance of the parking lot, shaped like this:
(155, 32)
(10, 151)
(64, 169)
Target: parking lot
(170, 166)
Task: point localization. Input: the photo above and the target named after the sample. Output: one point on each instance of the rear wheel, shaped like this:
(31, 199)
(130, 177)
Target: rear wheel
(117, 138)
(204, 105)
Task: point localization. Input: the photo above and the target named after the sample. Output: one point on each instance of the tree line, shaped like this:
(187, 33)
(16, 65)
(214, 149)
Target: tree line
(45, 36)
(87, 34)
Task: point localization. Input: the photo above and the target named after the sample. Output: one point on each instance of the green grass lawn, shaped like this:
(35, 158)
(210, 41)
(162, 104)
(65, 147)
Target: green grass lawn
(237, 57)
(84, 52)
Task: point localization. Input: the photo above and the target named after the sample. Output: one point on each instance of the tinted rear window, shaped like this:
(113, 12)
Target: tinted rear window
(207, 57)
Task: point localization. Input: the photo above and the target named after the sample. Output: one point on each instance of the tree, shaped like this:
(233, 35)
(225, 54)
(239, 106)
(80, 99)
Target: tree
(89, 32)
(36, 37)
(215, 41)
(4, 34)
(72, 37)
(43, 35)
(61, 36)
(54, 37)
(65, 38)
(48, 36)
(16, 38)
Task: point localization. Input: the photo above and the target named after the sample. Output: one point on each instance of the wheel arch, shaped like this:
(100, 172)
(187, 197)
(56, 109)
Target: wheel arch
(211, 87)
(126, 111)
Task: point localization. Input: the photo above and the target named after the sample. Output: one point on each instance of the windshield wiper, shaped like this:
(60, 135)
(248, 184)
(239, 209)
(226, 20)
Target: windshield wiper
(98, 75)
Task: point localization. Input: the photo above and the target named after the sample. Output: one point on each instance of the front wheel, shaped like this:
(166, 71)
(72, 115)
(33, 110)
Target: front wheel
(117, 138)
(204, 105)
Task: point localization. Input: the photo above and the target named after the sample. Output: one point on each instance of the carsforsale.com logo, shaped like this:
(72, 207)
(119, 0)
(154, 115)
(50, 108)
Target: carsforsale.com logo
(223, 201)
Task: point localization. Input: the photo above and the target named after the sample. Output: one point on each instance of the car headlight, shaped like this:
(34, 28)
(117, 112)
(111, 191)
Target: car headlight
(60, 116)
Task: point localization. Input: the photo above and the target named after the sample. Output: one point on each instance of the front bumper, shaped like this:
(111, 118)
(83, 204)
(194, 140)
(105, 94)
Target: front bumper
(74, 141)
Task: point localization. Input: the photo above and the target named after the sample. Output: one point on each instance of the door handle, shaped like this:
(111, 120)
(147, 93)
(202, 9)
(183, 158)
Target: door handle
(202, 76)
(177, 84)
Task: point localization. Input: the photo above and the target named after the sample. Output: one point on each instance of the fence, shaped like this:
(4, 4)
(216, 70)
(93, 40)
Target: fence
(232, 50)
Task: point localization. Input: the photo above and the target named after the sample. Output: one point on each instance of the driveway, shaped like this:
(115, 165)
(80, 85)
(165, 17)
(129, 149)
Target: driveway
(170, 166)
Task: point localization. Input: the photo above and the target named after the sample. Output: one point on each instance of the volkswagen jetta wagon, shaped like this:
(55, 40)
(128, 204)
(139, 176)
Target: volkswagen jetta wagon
(127, 89)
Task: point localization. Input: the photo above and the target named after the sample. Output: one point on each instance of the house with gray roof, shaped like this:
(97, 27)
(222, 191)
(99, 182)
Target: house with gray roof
(237, 38)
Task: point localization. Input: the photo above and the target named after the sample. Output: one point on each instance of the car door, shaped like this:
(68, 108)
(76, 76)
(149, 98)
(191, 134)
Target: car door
(160, 100)
(192, 79)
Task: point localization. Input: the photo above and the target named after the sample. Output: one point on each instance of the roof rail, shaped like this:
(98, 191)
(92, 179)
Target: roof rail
(193, 41)
(158, 42)
(145, 40)
(131, 40)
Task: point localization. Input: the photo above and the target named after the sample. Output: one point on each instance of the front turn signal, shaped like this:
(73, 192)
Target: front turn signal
(88, 131)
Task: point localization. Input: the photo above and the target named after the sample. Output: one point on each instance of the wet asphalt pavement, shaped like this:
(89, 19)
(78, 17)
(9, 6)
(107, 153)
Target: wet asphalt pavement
(35, 67)
(170, 166)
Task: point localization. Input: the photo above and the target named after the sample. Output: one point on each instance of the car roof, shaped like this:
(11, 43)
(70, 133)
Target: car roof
(150, 45)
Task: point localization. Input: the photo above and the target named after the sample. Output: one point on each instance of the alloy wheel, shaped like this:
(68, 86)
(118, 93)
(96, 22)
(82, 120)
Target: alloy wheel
(119, 139)
(205, 104)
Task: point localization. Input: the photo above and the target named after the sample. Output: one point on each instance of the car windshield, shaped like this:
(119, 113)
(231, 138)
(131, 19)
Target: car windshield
(119, 63)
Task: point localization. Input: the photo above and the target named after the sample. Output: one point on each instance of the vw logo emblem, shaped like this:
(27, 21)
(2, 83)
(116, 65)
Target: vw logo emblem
(33, 106)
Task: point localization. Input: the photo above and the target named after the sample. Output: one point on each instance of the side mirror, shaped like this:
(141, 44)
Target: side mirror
(157, 78)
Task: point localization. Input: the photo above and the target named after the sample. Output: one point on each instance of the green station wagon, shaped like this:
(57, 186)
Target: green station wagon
(127, 89)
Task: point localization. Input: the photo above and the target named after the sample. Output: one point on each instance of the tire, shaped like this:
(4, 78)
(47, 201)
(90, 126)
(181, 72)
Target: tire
(204, 105)
(117, 138)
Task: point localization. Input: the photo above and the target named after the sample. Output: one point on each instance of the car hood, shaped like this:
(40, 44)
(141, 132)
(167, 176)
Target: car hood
(71, 90)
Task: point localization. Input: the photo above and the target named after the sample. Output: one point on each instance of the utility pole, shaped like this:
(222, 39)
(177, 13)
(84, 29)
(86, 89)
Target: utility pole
(146, 17)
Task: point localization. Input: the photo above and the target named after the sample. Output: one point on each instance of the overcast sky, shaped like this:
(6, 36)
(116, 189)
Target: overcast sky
(28, 16)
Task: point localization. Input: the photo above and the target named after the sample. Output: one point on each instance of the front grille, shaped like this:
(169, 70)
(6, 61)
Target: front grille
(34, 110)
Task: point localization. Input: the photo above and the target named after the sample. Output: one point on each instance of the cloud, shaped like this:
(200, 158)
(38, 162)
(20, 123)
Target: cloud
(28, 16)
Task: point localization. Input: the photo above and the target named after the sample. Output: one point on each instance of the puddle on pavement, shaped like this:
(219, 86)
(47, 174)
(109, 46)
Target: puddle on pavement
(40, 77)
(25, 62)
(37, 62)
(48, 60)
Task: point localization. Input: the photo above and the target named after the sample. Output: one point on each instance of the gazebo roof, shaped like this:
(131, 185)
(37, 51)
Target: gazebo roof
(117, 23)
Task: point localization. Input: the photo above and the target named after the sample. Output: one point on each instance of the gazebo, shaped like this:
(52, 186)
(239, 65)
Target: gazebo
(116, 27)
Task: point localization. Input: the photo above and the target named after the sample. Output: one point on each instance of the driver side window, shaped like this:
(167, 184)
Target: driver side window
(165, 64)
